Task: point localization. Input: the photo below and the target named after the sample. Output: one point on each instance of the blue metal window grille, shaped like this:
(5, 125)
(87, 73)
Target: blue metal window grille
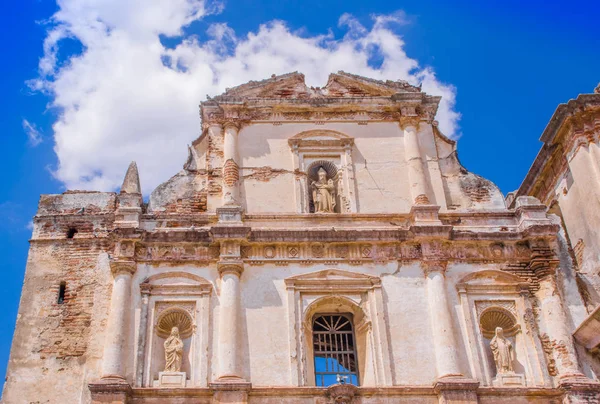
(334, 350)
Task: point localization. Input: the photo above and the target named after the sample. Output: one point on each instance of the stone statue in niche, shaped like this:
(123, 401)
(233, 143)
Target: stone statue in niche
(503, 352)
(173, 351)
(323, 193)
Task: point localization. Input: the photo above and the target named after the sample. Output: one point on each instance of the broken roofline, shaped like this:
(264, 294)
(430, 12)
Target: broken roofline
(362, 86)
(562, 113)
(346, 97)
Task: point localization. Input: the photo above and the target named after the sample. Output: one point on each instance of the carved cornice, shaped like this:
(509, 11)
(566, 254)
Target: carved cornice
(331, 111)
(355, 252)
(175, 252)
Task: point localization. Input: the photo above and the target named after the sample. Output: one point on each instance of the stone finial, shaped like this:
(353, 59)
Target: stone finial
(131, 183)
(597, 89)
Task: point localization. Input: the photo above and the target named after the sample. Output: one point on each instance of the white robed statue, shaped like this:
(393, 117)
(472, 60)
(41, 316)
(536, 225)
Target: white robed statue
(323, 193)
(503, 352)
(173, 351)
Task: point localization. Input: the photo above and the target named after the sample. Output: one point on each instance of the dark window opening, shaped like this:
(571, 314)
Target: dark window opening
(71, 233)
(334, 350)
(61, 292)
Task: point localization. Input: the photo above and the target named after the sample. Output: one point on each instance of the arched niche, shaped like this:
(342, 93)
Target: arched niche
(336, 291)
(492, 298)
(332, 151)
(333, 174)
(174, 298)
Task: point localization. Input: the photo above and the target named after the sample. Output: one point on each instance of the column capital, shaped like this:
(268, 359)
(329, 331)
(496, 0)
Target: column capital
(430, 266)
(235, 267)
(121, 266)
(232, 124)
(407, 122)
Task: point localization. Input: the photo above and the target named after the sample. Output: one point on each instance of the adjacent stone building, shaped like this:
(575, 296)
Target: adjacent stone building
(321, 245)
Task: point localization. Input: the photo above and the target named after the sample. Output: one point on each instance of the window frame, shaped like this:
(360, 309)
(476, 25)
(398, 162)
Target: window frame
(350, 317)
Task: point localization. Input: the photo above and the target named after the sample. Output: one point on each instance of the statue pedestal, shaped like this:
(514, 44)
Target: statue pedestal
(509, 380)
(170, 380)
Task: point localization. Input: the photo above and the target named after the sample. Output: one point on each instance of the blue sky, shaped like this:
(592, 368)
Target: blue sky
(508, 64)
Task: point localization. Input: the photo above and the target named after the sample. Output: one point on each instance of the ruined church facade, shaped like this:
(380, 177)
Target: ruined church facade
(320, 245)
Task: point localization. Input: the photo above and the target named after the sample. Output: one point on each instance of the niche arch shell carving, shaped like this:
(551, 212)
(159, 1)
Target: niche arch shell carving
(493, 317)
(174, 317)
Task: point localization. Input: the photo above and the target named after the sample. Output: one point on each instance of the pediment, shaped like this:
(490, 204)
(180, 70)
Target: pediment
(490, 277)
(289, 85)
(339, 85)
(320, 134)
(342, 84)
(333, 279)
(320, 138)
(492, 280)
(175, 283)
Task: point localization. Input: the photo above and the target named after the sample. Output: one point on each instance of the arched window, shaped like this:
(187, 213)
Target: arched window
(334, 350)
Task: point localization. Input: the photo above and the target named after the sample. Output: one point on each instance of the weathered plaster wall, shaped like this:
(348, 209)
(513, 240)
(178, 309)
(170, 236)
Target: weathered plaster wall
(578, 196)
(265, 338)
(380, 166)
(58, 347)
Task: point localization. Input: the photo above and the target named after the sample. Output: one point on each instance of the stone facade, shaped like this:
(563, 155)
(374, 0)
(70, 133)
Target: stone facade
(310, 220)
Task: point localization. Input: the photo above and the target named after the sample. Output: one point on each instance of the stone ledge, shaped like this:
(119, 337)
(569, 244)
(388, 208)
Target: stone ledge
(110, 389)
(231, 385)
(455, 384)
(312, 391)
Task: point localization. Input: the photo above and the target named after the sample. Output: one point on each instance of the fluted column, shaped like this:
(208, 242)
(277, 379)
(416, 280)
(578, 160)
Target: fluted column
(416, 172)
(229, 323)
(444, 340)
(231, 169)
(120, 304)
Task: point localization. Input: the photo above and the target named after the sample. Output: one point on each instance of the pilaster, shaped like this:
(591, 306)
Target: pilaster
(120, 304)
(578, 388)
(113, 387)
(231, 164)
(416, 172)
(230, 232)
(444, 340)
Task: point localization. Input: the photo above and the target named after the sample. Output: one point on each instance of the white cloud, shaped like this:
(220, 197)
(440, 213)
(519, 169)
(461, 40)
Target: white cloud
(127, 97)
(33, 133)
